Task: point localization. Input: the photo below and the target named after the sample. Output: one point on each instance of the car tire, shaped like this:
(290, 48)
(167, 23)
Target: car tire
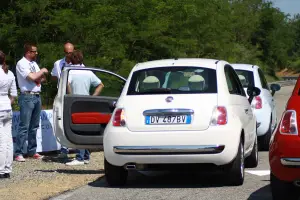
(265, 139)
(236, 173)
(252, 160)
(115, 175)
(282, 189)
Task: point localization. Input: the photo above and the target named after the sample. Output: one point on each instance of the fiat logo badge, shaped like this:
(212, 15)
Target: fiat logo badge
(169, 99)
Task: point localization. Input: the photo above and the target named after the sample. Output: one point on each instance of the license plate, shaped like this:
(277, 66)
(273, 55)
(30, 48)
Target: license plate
(174, 119)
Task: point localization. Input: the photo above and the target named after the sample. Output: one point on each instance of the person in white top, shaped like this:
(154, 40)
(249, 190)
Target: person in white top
(8, 92)
(29, 77)
(55, 74)
(64, 62)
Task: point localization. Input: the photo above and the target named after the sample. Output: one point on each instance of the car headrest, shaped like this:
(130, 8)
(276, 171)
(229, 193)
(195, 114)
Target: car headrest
(150, 82)
(196, 82)
(243, 80)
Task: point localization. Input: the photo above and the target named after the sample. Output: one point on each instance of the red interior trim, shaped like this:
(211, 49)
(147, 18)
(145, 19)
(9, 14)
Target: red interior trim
(90, 118)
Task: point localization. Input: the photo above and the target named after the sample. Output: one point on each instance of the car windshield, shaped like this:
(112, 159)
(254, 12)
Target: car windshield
(173, 80)
(246, 77)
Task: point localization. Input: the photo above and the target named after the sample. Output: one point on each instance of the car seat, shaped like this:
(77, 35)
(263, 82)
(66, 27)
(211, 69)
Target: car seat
(196, 82)
(150, 82)
(243, 80)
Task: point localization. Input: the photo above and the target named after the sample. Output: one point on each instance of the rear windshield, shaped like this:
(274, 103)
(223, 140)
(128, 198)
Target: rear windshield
(173, 80)
(246, 77)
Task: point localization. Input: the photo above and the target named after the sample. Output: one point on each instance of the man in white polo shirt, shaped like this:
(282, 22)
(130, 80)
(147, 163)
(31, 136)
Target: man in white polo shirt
(55, 73)
(29, 77)
(64, 62)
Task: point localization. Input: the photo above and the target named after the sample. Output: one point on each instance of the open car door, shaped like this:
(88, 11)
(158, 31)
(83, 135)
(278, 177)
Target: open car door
(80, 120)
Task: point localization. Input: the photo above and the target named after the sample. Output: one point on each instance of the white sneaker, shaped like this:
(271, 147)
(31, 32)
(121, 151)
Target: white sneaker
(75, 162)
(86, 161)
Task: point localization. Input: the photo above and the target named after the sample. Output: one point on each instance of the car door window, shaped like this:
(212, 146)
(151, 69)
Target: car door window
(238, 82)
(85, 82)
(263, 80)
(234, 86)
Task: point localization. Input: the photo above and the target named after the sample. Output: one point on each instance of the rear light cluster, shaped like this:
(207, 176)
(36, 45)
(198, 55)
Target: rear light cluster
(119, 118)
(288, 124)
(257, 102)
(219, 116)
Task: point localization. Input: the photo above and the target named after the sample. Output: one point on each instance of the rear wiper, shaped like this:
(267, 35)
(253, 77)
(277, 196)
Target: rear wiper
(157, 91)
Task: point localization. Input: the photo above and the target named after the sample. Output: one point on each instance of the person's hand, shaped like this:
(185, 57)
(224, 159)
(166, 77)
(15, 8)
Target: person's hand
(44, 70)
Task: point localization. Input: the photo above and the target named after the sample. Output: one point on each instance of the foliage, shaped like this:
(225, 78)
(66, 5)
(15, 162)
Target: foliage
(115, 35)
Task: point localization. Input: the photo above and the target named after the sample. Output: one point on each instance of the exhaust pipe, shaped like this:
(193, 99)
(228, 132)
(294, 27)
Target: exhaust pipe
(130, 167)
(297, 183)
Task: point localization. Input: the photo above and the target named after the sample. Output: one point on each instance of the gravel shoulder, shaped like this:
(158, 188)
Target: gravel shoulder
(42, 179)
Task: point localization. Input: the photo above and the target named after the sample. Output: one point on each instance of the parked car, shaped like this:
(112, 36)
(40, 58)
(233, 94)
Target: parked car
(263, 105)
(284, 153)
(173, 112)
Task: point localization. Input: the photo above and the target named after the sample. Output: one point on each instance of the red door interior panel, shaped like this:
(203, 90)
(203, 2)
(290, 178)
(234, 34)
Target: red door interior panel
(90, 118)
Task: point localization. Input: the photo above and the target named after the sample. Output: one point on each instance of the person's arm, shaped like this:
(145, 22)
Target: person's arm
(43, 79)
(34, 76)
(98, 89)
(13, 89)
(25, 72)
(55, 72)
(69, 88)
(96, 82)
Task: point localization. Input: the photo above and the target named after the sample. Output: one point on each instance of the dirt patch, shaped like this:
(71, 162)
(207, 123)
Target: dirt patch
(36, 180)
(287, 72)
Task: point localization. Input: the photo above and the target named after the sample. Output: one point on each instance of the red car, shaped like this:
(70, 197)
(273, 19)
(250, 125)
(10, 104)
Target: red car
(284, 153)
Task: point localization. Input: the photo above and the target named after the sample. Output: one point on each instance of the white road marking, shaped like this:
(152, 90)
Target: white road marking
(258, 172)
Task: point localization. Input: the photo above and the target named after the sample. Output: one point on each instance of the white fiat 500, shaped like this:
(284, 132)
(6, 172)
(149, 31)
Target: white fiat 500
(263, 105)
(174, 112)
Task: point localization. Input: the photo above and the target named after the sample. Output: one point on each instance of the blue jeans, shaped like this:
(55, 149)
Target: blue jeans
(83, 154)
(64, 150)
(30, 110)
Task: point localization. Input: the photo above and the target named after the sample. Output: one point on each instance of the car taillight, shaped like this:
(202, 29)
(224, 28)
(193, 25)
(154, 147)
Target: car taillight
(257, 103)
(288, 124)
(119, 118)
(219, 116)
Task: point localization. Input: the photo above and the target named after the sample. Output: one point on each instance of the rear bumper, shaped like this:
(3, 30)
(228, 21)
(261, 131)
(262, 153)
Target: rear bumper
(168, 150)
(284, 157)
(216, 145)
(290, 162)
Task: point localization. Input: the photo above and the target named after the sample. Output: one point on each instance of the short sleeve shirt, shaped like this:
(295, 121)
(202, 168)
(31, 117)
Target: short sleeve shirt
(23, 69)
(58, 65)
(82, 80)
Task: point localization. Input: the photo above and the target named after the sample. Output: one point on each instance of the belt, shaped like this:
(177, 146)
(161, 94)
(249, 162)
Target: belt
(30, 92)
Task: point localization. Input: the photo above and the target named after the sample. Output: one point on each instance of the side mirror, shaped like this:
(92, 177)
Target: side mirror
(274, 88)
(252, 92)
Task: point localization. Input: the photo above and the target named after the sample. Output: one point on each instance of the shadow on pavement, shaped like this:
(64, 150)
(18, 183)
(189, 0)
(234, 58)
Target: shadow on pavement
(167, 180)
(263, 193)
(72, 171)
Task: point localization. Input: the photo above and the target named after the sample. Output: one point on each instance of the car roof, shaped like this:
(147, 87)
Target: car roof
(241, 66)
(193, 62)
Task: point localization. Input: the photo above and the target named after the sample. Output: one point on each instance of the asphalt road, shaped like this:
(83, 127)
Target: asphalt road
(173, 186)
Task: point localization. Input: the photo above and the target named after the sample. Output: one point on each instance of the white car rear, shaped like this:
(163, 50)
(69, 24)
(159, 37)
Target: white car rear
(263, 105)
(175, 111)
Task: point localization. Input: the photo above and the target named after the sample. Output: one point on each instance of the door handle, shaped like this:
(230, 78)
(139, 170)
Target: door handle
(246, 111)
